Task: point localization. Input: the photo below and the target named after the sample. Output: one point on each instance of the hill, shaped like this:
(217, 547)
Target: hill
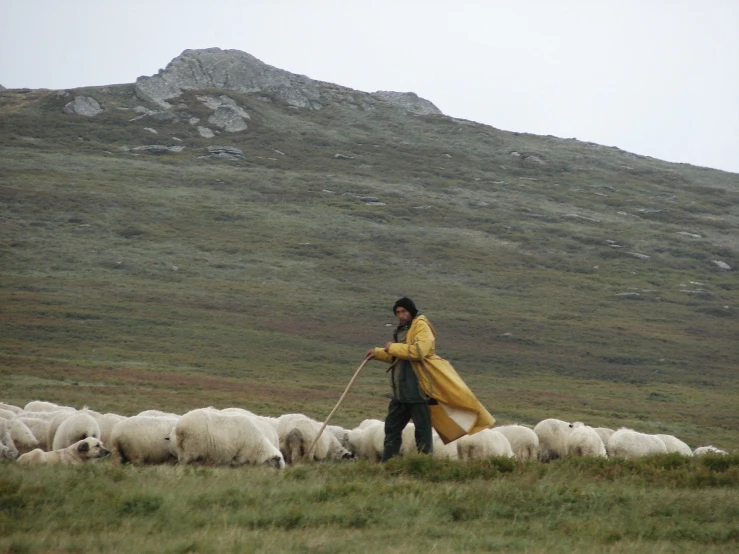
(233, 234)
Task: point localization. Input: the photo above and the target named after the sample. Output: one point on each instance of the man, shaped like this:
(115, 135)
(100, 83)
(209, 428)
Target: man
(409, 402)
(426, 388)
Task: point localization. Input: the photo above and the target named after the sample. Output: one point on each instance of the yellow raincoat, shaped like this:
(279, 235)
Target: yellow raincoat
(458, 412)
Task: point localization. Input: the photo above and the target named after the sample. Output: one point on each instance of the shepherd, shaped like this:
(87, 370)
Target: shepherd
(426, 388)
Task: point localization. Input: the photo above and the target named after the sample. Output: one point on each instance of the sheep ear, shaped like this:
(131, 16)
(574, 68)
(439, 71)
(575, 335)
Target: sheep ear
(84, 447)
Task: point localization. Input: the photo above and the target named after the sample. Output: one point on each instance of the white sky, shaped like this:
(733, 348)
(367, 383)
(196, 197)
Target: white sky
(653, 77)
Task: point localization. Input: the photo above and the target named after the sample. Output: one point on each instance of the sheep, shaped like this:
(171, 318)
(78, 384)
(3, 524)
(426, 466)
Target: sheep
(585, 441)
(673, 444)
(211, 437)
(297, 434)
(39, 428)
(268, 425)
(55, 422)
(341, 434)
(8, 450)
(46, 416)
(76, 427)
(143, 440)
(628, 443)
(487, 443)
(20, 435)
(408, 444)
(367, 442)
(81, 451)
(524, 442)
(703, 450)
(552, 435)
(107, 422)
(370, 423)
(10, 408)
(42, 406)
(6, 414)
(156, 413)
(604, 433)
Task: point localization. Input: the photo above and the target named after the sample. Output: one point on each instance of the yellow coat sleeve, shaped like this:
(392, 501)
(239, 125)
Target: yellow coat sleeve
(423, 343)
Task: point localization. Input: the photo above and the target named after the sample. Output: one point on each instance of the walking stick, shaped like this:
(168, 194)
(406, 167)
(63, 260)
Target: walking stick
(346, 390)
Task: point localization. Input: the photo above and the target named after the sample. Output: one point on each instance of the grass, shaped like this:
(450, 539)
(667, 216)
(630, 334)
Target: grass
(660, 503)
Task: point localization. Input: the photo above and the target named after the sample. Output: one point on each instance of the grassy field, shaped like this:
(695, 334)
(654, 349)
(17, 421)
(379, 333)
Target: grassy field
(130, 281)
(663, 504)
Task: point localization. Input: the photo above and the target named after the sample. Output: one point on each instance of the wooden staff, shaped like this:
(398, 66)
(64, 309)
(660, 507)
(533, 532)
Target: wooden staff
(346, 390)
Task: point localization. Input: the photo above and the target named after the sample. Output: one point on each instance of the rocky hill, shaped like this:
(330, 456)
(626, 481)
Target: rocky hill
(194, 219)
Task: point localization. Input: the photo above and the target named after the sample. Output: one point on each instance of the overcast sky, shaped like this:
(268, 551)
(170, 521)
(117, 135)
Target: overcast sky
(653, 77)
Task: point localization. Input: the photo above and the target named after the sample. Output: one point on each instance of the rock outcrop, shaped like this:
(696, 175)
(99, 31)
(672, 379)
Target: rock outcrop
(409, 102)
(213, 68)
(83, 105)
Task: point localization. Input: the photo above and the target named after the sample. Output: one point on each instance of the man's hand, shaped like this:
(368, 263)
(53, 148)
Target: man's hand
(370, 355)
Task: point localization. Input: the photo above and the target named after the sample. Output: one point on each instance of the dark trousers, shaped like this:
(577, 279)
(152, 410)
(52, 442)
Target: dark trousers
(398, 416)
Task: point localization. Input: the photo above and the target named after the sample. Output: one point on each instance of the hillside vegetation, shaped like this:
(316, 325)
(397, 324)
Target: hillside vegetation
(132, 281)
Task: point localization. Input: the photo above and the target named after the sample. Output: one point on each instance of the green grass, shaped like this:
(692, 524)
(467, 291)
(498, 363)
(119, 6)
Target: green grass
(665, 503)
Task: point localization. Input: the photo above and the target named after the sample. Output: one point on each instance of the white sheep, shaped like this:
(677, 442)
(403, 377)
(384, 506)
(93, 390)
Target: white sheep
(341, 434)
(107, 422)
(211, 437)
(46, 416)
(703, 450)
(585, 441)
(10, 408)
(367, 442)
(604, 433)
(76, 427)
(524, 442)
(6, 414)
(552, 435)
(673, 444)
(39, 428)
(143, 440)
(156, 413)
(408, 444)
(8, 451)
(297, 434)
(54, 423)
(487, 443)
(628, 443)
(22, 437)
(370, 423)
(42, 406)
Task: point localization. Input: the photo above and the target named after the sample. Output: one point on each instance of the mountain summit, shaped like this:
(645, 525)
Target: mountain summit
(238, 71)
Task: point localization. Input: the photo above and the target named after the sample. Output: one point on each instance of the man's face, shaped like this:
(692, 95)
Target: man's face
(403, 315)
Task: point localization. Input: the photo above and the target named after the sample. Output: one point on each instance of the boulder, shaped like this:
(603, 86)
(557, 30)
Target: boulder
(225, 152)
(228, 119)
(83, 105)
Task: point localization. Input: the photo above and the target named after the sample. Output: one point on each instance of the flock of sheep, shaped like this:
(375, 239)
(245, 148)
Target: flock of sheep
(46, 432)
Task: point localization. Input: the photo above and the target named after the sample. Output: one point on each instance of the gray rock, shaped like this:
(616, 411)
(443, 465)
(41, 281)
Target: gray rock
(226, 152)
(235, 70)
(409, 102)
(639, 256)
(205, 132)
(83, 105)
(158, 149)
(228, 119)
(722, 265)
